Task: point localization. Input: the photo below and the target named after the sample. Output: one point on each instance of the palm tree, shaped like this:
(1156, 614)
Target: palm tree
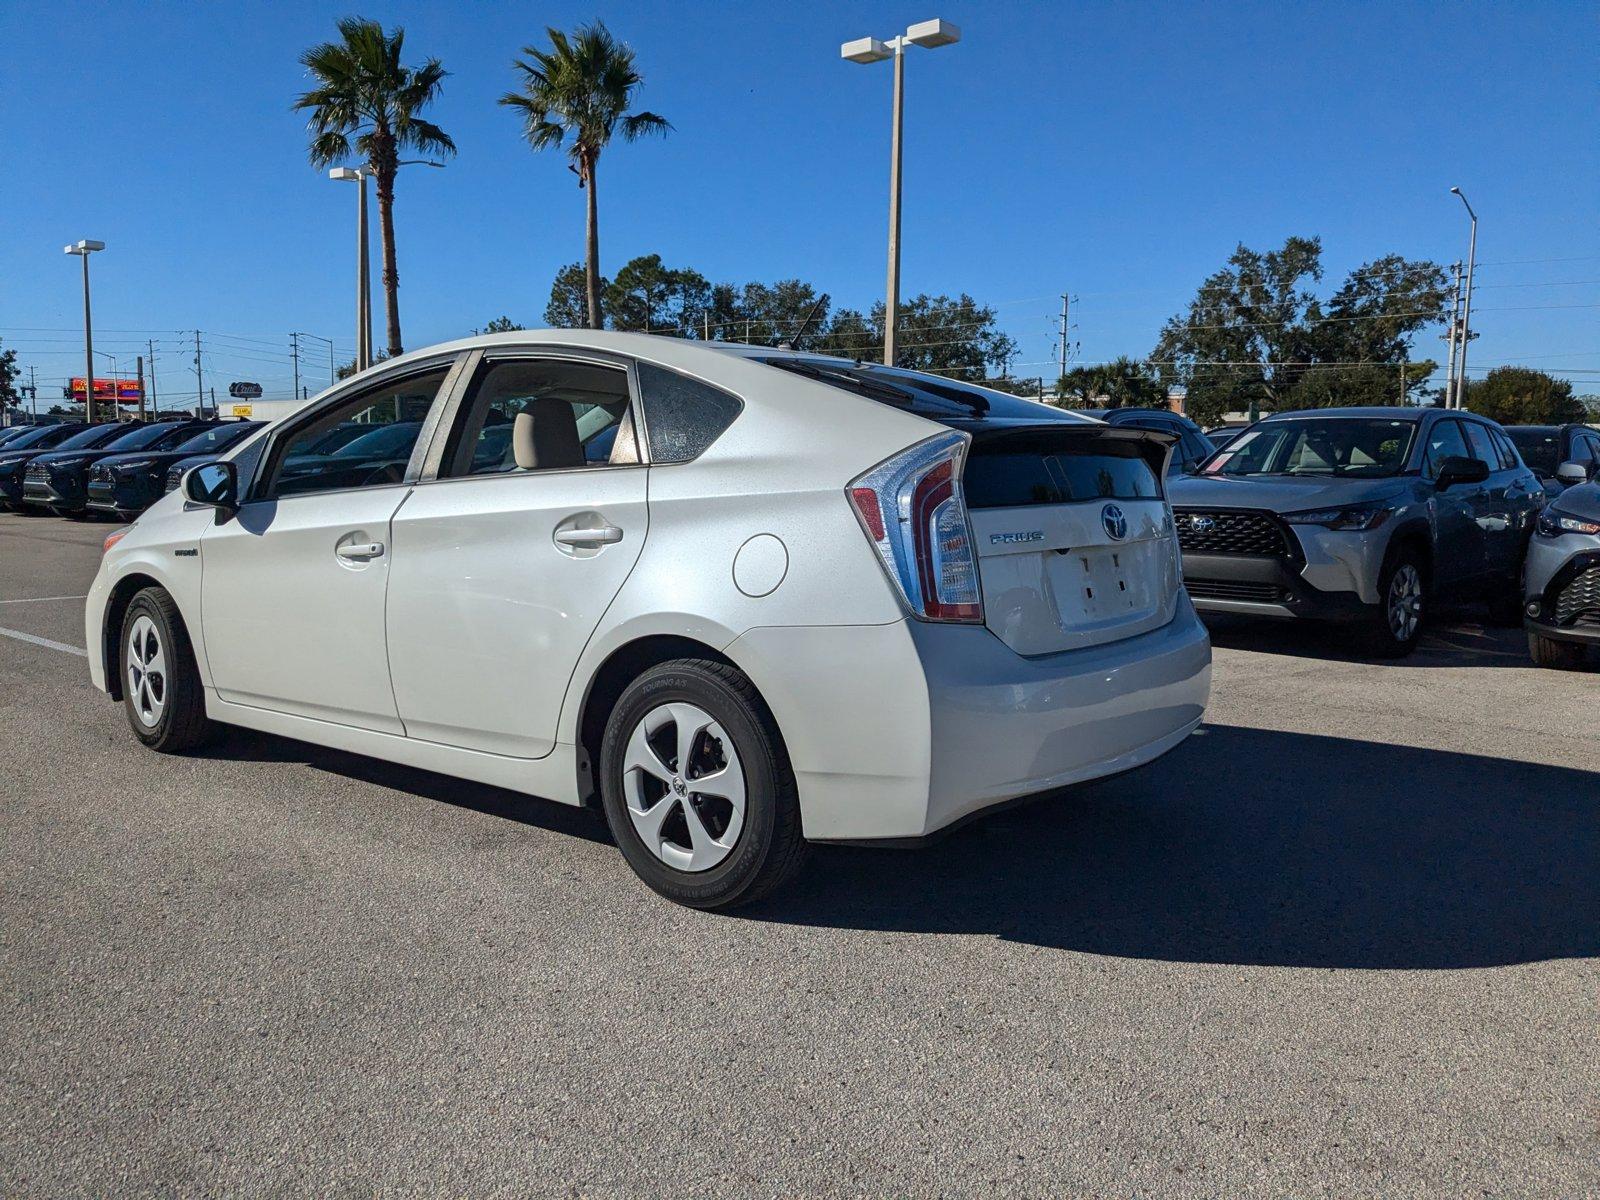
(367, 100)
(577, 94)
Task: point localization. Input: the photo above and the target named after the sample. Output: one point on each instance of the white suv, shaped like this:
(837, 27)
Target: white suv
(743, 598)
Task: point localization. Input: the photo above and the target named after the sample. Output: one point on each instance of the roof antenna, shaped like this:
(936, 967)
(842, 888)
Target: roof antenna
(794, 342)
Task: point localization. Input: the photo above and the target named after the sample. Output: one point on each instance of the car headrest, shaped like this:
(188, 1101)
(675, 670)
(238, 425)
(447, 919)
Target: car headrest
(545, 436)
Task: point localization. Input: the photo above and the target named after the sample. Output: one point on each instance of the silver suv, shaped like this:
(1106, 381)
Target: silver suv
(1561, 583)
(1360, 515)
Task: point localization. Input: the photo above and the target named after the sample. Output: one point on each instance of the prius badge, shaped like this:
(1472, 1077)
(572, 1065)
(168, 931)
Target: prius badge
(1016, 538)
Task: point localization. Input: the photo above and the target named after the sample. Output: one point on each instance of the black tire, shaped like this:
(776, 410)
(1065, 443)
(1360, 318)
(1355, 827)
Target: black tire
(1556, 654)
(768, 848)
(169, 716)
(1402, 582)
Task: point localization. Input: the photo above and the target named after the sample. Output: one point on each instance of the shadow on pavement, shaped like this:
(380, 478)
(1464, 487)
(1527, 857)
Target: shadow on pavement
(1253, 847)
(245, 745)
(1456, 639)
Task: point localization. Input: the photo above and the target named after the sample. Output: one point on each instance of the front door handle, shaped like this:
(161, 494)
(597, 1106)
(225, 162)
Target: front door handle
(600, 535)
(360, 551)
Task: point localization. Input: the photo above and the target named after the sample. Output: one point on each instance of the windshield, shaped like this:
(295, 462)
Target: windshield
(385, 439)
(95, 435)
(1344, 446)
(213, 440)
(44, 435)
(144, 437)
(1540, 448)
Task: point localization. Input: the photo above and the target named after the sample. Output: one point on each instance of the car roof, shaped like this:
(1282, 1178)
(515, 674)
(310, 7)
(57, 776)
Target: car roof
(1368, 411)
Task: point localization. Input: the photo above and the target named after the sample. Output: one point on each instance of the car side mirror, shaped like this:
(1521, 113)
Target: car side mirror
(215, 485)
(1571, 474)
(1458, 468)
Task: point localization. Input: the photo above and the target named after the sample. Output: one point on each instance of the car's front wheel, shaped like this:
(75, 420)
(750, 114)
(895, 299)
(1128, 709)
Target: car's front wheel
(697, 786)
(1555, 654)
(1395, 628)
(161, 688)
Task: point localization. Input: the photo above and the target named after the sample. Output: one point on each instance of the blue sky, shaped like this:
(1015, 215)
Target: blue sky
(1118, 151)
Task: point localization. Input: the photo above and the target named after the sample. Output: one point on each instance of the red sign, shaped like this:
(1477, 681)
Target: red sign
(127, 391)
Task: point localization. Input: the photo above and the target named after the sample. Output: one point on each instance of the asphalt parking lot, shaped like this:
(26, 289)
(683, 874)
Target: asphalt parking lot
(1341, 942)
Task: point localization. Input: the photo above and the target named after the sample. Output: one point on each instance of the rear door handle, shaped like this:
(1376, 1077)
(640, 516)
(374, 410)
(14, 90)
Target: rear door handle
(360, 551)
(601, 535)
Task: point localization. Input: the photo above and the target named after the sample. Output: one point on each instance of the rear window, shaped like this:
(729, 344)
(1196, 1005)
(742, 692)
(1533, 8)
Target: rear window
(1540, 448)
(925, 395)
(1017, 472)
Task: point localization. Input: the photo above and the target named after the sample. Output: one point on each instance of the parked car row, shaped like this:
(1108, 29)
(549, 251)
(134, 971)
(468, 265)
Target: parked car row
(1370, 516)
(116, 468)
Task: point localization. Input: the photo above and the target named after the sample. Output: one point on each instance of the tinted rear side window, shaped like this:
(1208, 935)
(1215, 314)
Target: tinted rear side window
(1010, 476)
(683, 415)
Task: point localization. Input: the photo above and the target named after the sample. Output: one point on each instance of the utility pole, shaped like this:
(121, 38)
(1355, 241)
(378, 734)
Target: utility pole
(154, 406)
(1455, 321)
(1466, 311)
(33, 394)
(294, 353)
(199, 383)
(139, 367)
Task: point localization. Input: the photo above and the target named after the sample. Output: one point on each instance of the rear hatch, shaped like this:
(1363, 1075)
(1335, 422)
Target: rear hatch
(1075, 543)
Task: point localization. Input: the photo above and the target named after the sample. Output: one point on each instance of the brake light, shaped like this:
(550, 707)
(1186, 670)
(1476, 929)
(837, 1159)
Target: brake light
(912, 509)
(112, 539)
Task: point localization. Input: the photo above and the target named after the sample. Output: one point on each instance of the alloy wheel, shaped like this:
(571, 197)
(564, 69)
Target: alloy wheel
(684, 786)
(1404, 603)
(147, 671)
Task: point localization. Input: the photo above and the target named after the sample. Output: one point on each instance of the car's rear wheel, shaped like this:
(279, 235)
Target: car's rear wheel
(697, 786)
(1555, 654)
(1395, 628)
(161, 689)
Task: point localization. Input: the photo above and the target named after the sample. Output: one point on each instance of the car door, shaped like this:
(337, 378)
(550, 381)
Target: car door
(1498, 504)
(506, 560)
(293, 585)
(1459, 557)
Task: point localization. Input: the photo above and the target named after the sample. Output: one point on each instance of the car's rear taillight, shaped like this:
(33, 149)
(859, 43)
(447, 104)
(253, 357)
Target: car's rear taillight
(913, 512)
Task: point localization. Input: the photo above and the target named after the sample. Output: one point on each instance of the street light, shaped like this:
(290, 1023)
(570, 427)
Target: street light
(363, 267)
(930, 35)
(1466, 316)
(83, 248)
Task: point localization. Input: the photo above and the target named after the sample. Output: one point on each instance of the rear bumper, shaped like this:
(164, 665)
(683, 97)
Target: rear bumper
(896, 731)
(1264, 587)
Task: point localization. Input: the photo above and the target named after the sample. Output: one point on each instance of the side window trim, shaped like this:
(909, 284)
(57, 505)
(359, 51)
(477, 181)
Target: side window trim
(280, 438)
(454, 411)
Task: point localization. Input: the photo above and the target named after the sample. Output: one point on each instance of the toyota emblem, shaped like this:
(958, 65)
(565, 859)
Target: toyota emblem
(1115, 522)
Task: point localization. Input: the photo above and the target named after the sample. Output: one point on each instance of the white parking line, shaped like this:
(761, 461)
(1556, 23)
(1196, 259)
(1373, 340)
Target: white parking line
(45, 642)
(42, 599)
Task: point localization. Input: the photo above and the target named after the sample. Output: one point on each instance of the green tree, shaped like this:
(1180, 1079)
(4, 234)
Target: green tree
(500, 325)
(1523, 396)
(647, 296)
(949, 335)
(8, 375)
(569, 305)
(366, 102)
(1257, 328)
(1121, 383)
(577, 93)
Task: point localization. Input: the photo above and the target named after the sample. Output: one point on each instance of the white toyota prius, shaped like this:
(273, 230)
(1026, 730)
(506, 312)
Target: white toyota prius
(742, 598)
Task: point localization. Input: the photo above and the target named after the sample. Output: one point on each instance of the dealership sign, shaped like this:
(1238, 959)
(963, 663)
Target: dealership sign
(244, 390)
(126, 391)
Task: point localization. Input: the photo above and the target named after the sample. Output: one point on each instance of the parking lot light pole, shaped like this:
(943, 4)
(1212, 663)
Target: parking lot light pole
(1466, 313)
(930, 35)
(363, 291)
(83, 248)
